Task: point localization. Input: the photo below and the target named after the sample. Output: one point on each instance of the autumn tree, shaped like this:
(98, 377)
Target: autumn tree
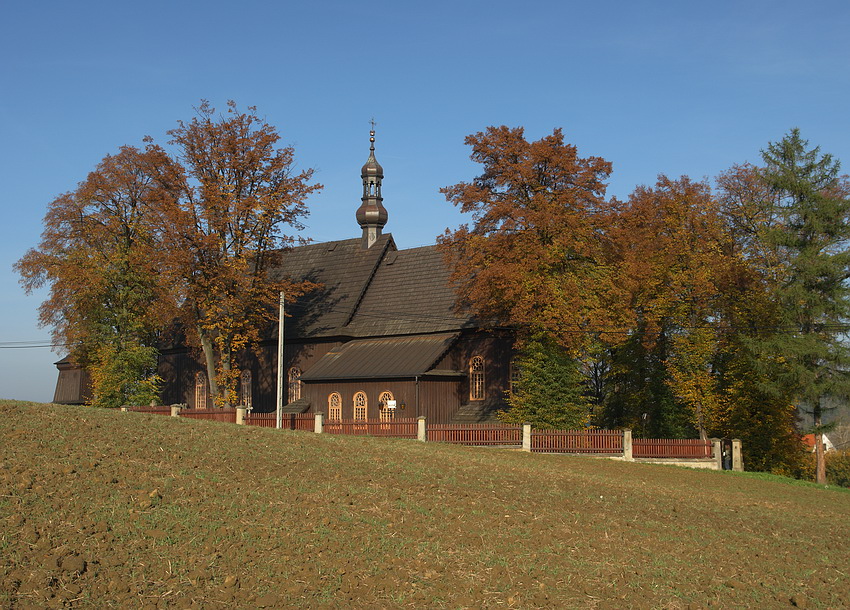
(534, 255)
(97, 257)
(807, 356)
(223, 232)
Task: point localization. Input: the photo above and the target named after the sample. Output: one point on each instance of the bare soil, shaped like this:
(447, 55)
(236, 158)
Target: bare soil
(123, 510)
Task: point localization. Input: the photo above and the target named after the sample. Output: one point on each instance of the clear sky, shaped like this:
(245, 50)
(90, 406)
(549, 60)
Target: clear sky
(653, 86)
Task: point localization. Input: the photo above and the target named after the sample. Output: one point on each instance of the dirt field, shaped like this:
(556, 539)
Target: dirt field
(124, 510)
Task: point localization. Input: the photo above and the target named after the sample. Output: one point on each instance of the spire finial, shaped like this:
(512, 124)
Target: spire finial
(372, 135)
(371, 215)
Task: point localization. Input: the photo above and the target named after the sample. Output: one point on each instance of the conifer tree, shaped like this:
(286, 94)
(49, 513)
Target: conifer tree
(807, 355)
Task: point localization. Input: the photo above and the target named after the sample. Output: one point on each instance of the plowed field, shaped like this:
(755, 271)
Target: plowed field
(124, 510)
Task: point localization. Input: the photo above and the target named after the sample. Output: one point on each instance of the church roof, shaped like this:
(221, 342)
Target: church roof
(373, 292)
(381, 358)
(343, 269)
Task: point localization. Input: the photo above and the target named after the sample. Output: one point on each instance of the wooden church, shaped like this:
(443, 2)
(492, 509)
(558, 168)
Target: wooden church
(380, 338)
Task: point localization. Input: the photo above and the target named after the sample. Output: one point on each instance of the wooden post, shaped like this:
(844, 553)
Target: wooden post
(526, 437)
(420, 428)
(320, 418)
(627, 445)
(280, 364)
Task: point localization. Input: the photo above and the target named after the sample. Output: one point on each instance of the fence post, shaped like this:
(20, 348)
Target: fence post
(627, 445)
(124, 409)
(320, 417)
(175, 410)
(240, 415)
(526, 437)
(717, 453)
(737, 458)
(420, 428)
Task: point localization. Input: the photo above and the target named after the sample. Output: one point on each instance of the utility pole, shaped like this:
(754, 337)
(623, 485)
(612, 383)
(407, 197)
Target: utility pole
(280, 365)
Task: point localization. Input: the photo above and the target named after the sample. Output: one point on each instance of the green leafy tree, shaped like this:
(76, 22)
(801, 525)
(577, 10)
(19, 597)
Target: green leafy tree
(550, 391)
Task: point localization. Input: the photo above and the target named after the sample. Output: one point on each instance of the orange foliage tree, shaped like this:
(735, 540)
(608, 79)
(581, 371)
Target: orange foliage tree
(97, 255)
(222, 232)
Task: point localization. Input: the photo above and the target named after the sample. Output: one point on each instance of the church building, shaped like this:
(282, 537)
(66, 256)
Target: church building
(381, 337)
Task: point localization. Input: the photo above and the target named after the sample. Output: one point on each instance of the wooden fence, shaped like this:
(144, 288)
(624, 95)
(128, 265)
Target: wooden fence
(225, 415)
(396, 428)
(610, 443)
(289, 421)
(475, 434)
(577, 441)
(671, 448)
(151, 410)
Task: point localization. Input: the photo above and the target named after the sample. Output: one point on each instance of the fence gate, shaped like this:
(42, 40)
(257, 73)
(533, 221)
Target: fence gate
(726, 452)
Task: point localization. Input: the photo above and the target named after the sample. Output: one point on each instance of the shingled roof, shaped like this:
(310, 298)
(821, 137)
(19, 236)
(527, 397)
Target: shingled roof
(374, 292)
(381, 358)
(344, 269)
(409, 294)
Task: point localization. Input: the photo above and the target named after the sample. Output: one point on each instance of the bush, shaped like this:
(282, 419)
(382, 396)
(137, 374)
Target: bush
(838, 468)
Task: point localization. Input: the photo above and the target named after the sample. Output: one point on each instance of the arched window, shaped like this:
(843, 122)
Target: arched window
(200, 391)
(294, 384)
(514, 378)
(245, 394)
(335, 407)
(385, 412)
(476, 378)
(360, 406)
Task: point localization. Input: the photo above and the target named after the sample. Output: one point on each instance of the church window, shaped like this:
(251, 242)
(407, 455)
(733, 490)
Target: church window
(385, 413)
(476, 378)
(335, 407)
(360, 406)
(200, 391)
(245, 395)
(294, 384)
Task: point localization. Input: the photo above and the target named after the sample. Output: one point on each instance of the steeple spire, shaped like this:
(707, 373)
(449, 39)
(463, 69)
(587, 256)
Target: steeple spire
(371, 214)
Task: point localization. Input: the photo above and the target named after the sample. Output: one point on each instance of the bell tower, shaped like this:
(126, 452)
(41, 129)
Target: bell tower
(371, 215)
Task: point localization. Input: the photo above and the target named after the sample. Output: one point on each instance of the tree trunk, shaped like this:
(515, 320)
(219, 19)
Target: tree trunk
(209, 356)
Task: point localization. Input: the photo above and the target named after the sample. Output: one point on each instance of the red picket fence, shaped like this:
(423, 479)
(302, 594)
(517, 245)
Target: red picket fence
(396, 428)
(475, 434)
(577, 441)
(161, 410)
(288, 421)
(225, 415)
(671, 448)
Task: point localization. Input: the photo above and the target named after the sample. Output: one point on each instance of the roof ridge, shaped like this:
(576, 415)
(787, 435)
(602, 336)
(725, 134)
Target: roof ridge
(378, 260)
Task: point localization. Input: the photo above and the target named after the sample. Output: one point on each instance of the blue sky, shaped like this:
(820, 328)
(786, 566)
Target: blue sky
(654, 87)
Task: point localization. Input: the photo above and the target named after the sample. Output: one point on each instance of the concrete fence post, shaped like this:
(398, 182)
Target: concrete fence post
(627, 446)
(320, 422)
(420, 429)
(737, 458)
(526, 437)
(175, 410)
(717, 453)
(124, 409)
(241, 412)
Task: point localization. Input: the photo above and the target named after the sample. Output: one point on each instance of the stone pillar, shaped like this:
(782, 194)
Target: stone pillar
(420, 429)
(737, 458)
(717, 453)
(526, 437)
(627, 446)
(241, 412)
(175, 410)
(124, 409)
(320, 421)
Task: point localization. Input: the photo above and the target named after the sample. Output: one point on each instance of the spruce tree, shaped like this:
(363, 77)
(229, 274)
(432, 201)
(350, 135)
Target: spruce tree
(807, 351)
